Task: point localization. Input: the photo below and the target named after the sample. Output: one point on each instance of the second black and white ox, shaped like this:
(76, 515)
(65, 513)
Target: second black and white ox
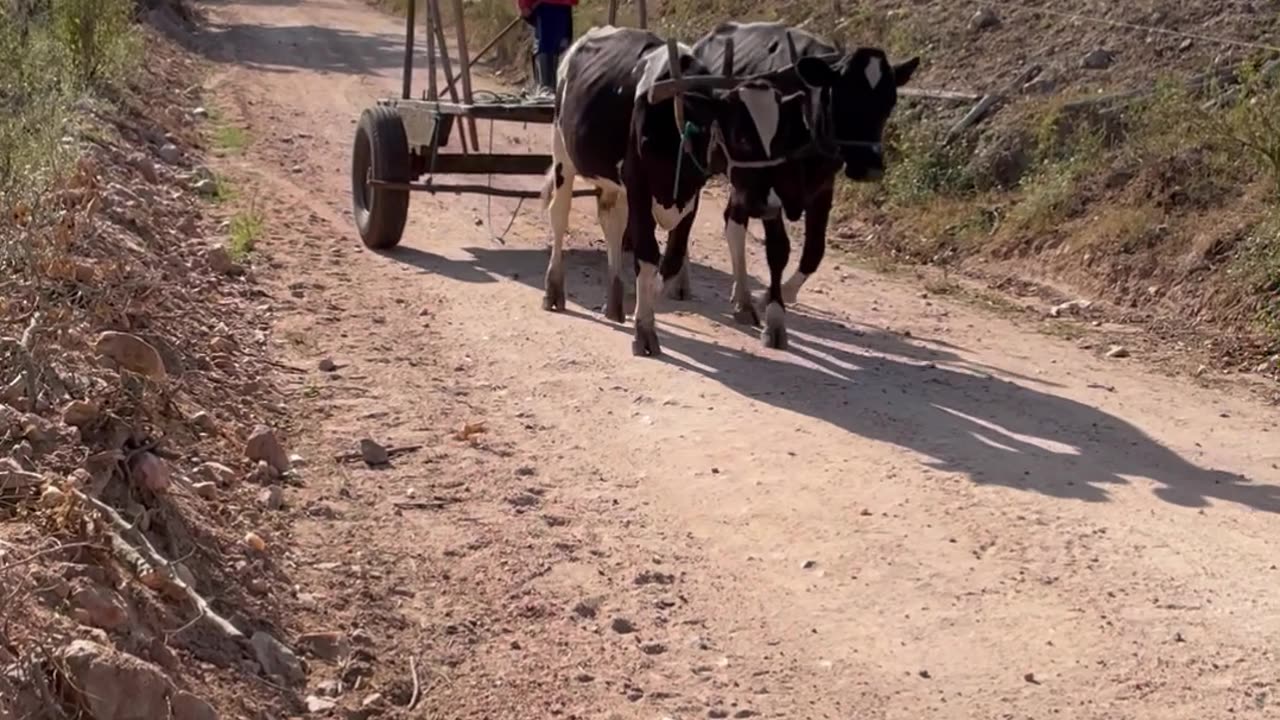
(612, 130)
(849, 101)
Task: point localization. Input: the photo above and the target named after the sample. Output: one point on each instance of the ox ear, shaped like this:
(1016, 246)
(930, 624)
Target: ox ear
(902, 72)
(815, 72)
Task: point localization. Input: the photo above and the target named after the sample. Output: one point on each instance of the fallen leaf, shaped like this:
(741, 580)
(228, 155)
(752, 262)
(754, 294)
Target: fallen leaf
(470, 430)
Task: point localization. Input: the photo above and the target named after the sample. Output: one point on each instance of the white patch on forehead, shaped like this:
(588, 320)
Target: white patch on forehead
(762, 105)
(669, 217)
(874, 72)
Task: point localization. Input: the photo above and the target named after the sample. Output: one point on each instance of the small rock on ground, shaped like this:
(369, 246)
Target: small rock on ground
(984, 19)
(265, 446)
(1118, 351)
(131, 353)
(316, 705)
(170, 153)
(113, 685)
(373, 453)
(206, 490)
(276, 659)
(189, 707)
(1098, 59)
(271, 497)
(325, 645)
(80, 413)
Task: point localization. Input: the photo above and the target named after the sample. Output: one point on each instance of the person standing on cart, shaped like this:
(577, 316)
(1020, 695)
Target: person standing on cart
(552, 22)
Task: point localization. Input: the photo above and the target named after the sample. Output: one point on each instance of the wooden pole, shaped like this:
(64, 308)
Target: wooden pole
(613, 12)
(433, 7)
(673, 60)
(465, 63)
(642, 10)
(406, 91)
(433, 92)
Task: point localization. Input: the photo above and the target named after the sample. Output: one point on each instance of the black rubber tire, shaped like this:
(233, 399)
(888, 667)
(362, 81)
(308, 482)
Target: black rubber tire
(381, 152)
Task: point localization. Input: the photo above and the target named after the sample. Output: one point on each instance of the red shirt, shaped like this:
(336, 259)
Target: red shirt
(526, 6)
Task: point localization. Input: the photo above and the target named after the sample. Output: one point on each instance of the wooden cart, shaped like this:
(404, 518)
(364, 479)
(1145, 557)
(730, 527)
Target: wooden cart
(400, 143)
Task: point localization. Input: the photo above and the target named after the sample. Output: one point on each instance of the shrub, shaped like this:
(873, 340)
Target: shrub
(98, 37)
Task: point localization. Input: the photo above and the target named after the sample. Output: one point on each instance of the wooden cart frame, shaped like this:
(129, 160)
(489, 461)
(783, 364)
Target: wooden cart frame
(400, 140)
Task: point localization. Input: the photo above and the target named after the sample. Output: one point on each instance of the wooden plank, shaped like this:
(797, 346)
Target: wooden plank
(459, 14)
(495, 163)
(523, 113)
(459, 189)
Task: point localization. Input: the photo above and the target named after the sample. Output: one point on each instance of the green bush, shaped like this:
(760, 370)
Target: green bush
(98, 37)
(922, 165)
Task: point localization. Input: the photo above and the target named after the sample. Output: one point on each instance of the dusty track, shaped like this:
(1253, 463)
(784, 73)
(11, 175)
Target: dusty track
(920, 511)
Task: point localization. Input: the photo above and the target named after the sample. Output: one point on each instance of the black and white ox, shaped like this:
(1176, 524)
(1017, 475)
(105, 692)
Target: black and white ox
(850, 96)
(650, 153)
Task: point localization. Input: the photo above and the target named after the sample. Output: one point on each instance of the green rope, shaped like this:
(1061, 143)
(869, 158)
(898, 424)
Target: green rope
(689, 131)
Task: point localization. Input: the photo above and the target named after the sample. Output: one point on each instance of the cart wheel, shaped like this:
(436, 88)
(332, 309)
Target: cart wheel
(381, 151)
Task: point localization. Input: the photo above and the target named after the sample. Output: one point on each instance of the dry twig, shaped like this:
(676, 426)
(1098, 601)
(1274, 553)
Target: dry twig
(144, 556)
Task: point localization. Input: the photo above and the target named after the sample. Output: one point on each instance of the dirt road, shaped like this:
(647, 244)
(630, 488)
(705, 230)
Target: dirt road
(921, 510)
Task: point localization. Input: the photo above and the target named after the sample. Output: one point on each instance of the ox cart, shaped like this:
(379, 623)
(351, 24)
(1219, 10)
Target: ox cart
(401, 143)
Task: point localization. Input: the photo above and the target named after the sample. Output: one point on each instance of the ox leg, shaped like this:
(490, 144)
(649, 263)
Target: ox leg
(562, 172)
(777, 249)
(611, 208)
(648, 280)
(735, 234)
(675, 261)
(815, 244)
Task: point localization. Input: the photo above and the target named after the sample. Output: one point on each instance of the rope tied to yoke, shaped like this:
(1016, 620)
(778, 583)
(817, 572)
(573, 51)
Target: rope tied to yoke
(687, 134)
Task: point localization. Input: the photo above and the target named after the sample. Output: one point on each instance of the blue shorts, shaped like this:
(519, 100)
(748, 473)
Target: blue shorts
(552, 28)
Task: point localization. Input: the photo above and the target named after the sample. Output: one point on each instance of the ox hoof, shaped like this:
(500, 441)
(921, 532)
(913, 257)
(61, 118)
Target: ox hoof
(677, 288)
(613, 303)
(553, 298)
(746, 314)
(774, 334)
(646, 342)
(677, 291)
(774, 337)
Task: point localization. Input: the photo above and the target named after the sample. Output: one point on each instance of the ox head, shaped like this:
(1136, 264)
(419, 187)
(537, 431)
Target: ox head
(760, 128)
(857, 94)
